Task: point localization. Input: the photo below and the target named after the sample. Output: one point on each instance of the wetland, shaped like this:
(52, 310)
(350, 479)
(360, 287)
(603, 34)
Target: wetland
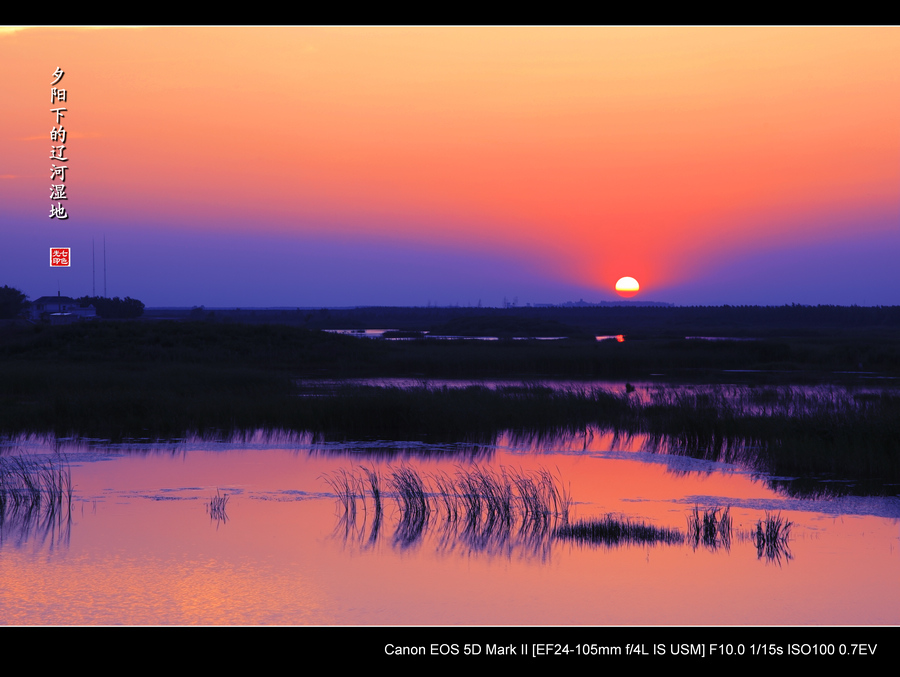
(195, 473)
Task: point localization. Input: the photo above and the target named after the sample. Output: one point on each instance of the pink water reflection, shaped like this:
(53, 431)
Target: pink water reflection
(143, 549)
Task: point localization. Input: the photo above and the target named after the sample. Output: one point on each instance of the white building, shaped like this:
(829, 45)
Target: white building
(61, 309)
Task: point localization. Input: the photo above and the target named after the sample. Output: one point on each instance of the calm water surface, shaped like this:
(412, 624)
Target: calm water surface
(141, 546)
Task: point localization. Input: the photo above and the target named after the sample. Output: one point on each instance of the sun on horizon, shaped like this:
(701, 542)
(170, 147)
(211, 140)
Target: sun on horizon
(627, 287)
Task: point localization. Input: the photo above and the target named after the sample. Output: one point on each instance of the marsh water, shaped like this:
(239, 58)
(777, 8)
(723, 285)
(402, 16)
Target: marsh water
(253, 531)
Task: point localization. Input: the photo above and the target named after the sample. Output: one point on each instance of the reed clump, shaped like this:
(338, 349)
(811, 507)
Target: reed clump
(771, 538)
(711, 527)
(477, 494)
(216, 507)
(35, 500)
(484, 507)
(613, 531)
(414, 503)
(499, 510)
(348, 489)
(33, 484)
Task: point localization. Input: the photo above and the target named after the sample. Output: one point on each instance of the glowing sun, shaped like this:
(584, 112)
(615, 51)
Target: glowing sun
(627, 287)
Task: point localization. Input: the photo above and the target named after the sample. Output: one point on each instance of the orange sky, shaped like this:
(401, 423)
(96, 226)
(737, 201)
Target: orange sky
(599, 152)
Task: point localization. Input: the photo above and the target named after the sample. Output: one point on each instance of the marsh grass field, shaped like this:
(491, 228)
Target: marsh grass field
(783, 430)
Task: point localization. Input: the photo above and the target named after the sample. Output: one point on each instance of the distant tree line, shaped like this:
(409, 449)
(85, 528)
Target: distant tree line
(114, 308)
(12, 302)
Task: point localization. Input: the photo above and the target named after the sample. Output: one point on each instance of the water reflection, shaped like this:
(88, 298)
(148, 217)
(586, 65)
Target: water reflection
(35, 501)
(771, 539)
(407, 518)
(710, 527)
(502, 512)
(825, 432)
(216, 508)
(807, 442)
(42, 527)
(616, 531)
(483, 510)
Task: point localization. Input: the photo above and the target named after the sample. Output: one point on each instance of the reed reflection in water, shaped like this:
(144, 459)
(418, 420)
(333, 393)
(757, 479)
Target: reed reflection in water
(485, 510)
(35, 501)
(411, 547)
(507, 511)
(782, 431)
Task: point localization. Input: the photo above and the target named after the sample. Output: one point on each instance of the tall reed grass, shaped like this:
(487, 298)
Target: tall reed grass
(771, 537)
(824, 431)
(710, 527)
(28, 484)
(487, 509)
(498, 511)
(35, 499)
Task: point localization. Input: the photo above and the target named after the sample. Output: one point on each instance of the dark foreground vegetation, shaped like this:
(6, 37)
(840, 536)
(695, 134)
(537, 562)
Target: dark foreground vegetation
(510, 510)
(164, 380)
(785, 431)
(612, 531)
(798, 355)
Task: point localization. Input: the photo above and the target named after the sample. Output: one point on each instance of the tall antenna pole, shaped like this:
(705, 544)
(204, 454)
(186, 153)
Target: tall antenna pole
(104, 265)
(93, 270)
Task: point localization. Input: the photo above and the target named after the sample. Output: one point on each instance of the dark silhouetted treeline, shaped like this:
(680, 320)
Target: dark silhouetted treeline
(12, 302)
(670, 322)
(114, 308)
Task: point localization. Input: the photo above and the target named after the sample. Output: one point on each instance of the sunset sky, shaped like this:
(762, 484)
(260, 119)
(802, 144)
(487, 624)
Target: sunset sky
(406, 166)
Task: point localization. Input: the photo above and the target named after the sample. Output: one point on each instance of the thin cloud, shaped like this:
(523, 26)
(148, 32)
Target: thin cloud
(15, 29)
(70, 135)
